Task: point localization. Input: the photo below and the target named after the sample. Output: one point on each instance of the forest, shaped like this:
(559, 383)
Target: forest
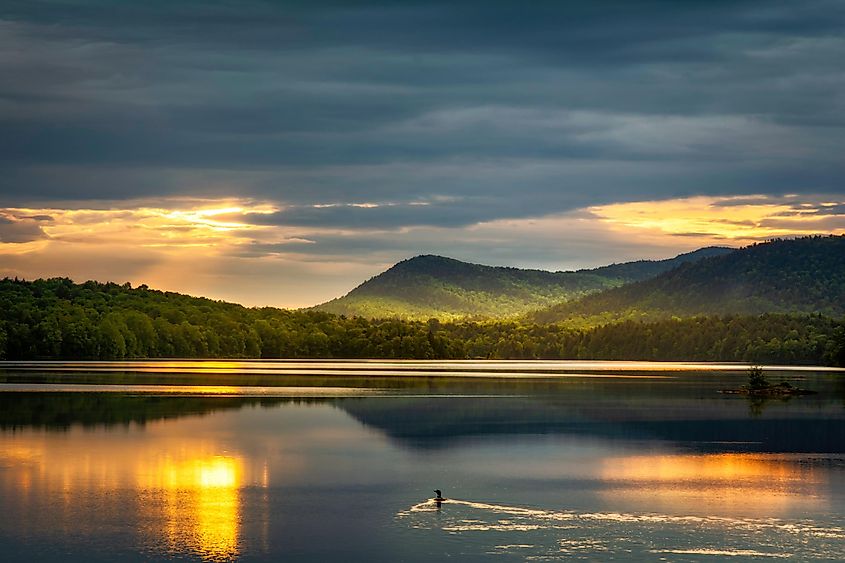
(429, 286)
(60, 319)
(803, 275)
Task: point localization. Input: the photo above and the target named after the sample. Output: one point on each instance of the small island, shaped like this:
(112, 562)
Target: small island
(759, 386)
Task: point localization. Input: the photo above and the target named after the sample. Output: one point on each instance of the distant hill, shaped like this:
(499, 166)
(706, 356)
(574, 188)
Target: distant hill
(644, 269)
(805, 275)
(429, 286)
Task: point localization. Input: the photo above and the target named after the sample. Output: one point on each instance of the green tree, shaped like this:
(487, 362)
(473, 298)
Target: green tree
(757, 379)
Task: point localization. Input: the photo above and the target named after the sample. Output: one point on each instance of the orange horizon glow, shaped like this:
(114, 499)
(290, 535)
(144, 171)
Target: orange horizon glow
(744, 219)
(225, 248)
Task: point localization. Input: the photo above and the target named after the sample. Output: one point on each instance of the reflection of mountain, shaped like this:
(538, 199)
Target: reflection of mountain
(707, 426)
(711, 425)
(63, 410)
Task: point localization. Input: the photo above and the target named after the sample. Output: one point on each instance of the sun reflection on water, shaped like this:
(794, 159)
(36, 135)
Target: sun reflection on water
(199, 502)
(185, 496)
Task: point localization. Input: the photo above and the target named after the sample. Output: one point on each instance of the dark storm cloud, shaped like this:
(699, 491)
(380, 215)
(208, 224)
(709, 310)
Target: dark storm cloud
(500, 109)
(373, 216)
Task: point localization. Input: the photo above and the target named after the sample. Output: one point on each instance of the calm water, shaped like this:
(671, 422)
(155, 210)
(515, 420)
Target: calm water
(336, 461)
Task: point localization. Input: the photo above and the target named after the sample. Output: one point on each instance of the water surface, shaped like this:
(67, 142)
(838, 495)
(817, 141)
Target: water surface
(313, 461)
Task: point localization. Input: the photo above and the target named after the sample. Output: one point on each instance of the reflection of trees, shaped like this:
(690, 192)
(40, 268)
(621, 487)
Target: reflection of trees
(758, 403)
(840, 389)
(60, 411)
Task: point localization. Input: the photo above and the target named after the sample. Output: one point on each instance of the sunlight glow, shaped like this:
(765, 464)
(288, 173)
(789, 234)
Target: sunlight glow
(197, 223)
(736, 218)
(256, 252)
(189, 490)
(206, 217)
(201, 503)
(756, 484)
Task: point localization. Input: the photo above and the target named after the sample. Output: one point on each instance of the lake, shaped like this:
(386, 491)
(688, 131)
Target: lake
(338, 460)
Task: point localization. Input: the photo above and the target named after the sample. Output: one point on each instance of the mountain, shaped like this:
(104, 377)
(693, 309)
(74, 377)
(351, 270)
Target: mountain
(57, 319)
(644, 269)
(805, 275)
(429, 286)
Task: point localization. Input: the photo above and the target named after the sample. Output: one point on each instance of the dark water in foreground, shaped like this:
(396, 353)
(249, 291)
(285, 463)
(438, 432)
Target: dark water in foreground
(309, 461)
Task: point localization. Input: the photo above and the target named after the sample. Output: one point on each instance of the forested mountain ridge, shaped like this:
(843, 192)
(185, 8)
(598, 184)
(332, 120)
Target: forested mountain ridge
(430, 286)
(643, 269)
(59, 319)
(804, 275)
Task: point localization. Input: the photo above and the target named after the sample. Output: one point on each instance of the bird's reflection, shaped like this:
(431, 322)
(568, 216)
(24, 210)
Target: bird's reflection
(438, 500)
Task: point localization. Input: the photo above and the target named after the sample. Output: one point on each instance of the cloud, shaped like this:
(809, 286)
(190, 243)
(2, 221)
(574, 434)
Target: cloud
(749, 219)
(326, 101)
(17, 230)
(356, 134)
(250, 251)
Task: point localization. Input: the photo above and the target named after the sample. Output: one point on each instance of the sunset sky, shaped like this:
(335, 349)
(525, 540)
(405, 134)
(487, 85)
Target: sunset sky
(279, 153)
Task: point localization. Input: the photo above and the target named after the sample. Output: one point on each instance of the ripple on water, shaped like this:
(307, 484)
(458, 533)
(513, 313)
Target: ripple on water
(542, 534)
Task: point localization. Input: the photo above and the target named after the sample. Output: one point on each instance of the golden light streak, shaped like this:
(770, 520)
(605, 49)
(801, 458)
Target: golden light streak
(715, 467)
(225, 223)
(189, 489)
(738, 218)
(226, 248)
(201, 503)
(758, 484)
(147, 226)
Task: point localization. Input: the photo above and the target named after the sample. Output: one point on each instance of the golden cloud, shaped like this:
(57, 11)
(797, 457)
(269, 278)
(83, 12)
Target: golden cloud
(737, 218)
(237, 249)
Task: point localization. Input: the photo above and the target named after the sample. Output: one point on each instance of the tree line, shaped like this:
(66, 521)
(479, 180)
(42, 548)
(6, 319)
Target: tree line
(59, 319)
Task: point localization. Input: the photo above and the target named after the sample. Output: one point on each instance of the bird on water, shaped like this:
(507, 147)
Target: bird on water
(439, 496)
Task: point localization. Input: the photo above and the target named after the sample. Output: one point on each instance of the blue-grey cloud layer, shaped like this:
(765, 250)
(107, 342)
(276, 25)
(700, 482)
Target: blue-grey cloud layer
(480, 110)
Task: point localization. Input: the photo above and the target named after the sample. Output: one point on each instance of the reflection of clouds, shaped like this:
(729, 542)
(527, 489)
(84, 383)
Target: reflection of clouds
(752, 483)
(199, 487)
(189, 491)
